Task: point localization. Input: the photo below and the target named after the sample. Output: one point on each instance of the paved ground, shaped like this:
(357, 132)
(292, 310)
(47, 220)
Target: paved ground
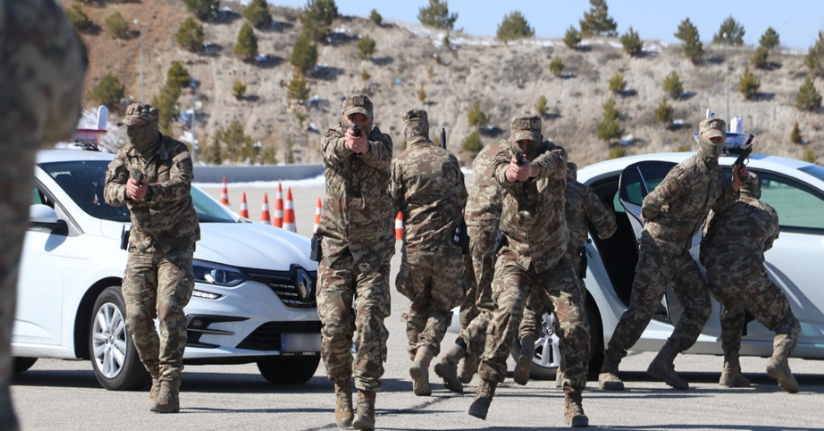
(64, 395)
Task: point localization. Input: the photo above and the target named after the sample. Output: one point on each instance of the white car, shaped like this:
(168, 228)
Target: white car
(254, 297)
(794, 188)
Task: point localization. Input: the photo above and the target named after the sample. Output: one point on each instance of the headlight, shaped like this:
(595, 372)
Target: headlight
(219, 275)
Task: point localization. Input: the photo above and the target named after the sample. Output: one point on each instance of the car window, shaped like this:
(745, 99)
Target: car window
(641, 178)
(797, 204)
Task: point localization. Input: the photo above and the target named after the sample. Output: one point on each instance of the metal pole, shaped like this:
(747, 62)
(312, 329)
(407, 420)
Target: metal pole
(727, 78)
(192, 128)
(142, 88)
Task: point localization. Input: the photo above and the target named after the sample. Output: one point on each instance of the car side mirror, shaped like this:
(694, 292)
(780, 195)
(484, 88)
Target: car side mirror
(44, 217)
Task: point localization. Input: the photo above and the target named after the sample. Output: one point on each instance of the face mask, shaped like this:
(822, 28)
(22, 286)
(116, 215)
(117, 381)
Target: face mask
(709, 151)
(143, 138)
(532, 151)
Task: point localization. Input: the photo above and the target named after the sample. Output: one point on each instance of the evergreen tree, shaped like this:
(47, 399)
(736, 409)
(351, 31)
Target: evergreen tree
(190, 35)
(514, 26)
(108, 91)
(748, 84)
(597, 21)
(673, 86)
(688, 33)
(422, 94)
(814, 59)
(759, 59)
(609, 128)
(366, 47)
(809, 156)
(203, 9)
(617, 83)
(730, 32)
(304, 53)
(178, 75)
(317, 16)
(437, 15)
(375, 17)
(239, 90)
(664, 113)
(769, 39)
(808, 98)
(79, 19)
(472, 143)
(247, 43)
(117, 25)
(540, 106)
(572, 37)
(632, 42)
(476, 117)
(556, 66)
(258, 14)
(212, 153)
(239, 147)
(298, 88)
(795, 134)
(166, 104)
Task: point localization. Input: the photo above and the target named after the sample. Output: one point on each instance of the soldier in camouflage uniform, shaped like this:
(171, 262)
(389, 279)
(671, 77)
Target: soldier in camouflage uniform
(583, 206)
(427, 186)
(42, 67)
(534, 258)
(482, 213)
(152, 176)
(358, 242)
(673, 213)
(733, 253)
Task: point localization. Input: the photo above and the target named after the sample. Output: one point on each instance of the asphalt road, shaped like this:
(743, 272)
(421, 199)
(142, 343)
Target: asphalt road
(64, 395)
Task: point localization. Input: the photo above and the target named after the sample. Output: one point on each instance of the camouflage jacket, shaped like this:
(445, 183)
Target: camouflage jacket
(428, 188)
(483, 206)
(42, 67)
(532, 216)
(357, 210)
(746, 229)
(674, 210)
(582, 206)
(166, 218)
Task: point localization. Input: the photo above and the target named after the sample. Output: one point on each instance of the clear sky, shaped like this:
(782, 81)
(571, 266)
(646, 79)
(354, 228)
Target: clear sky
(796, 21)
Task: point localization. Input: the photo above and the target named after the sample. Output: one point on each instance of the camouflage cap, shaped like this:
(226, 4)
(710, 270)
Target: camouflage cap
(416, 123)
(526, 127)
(138, 114)
(572, 169)
(713, 128)
(357, 104)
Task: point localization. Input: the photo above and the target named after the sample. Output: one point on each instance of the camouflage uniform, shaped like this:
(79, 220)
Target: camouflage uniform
(42, 66)
(358, 243)
(534, 259)
(159, 277)
(427, 186)
(733, 253)
(672, 213)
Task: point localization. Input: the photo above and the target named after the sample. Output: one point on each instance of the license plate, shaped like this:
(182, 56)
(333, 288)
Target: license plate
(297, 343)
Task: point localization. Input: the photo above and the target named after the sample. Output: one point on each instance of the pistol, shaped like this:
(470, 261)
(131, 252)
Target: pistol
(519, 156)
(356, 131)
(138, 176)
(743, 156)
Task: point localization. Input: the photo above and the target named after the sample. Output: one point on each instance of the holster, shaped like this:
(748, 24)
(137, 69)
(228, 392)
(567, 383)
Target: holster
(316, 251)
(460, 236)
(500, 242)
(124, 238)
(582, 259)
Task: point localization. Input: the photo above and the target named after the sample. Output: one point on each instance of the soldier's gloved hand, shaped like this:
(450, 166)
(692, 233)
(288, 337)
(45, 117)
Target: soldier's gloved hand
(739, 174)
(516, 172)
(136, 191)
(356, 144)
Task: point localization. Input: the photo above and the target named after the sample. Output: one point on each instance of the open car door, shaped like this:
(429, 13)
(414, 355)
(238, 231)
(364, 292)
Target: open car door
(636, 182)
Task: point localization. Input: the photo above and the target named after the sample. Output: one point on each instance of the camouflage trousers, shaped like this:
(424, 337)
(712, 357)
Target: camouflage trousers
(557, 286)
(658, 266)
(468, 309)
(434, 282)
(158, 285)
(480, 270)
(16, 183)
(365, 282)
(752, 290)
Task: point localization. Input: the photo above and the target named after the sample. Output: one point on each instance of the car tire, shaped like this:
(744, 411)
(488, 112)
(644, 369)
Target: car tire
(113, 355)
(289, 370)
(22, 364)
(596, 339)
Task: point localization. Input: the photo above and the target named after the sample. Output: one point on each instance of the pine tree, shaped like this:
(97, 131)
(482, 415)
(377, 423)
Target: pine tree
(190, 35)
(808, 98)
(513, 27)
(540, 106)
(769, 39)
(475, 117)
(759, 59)
(795, 134)
(247, 43)
(304, 53)
(664, 113)
(238, 146)
(79, 19)
(748, 84)
(617, 83)
(212, 153)
(109, 91)
(239, 90)
(298, 88)
(809, 156)
(688, 33)
(203, 9)
(317, 16)
(166, 104)
(572, 37)
(422, 94)
(609, 128)
(673, 86)
(258, 14)
(632, 43)
(178, 75)
(556, 66)
(117, 25)
(814, 59)
(730, 32)
(375, 17)
(437, 15)
(597, 21)
(472, 143)
(366, 47)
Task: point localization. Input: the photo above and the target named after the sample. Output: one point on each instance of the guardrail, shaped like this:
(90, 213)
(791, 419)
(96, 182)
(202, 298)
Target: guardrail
(242, 174)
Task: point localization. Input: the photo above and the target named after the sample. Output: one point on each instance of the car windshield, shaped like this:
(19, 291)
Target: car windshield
(83, 181)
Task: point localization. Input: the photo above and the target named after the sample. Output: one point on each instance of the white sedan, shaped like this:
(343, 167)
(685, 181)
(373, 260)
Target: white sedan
(254, 297)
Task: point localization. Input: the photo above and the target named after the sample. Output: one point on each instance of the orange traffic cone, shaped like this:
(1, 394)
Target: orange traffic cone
(289, 213)
(318, 210)
(278, 220)
(224, 194)
(264, 210)
(244, 208)
(399, 226)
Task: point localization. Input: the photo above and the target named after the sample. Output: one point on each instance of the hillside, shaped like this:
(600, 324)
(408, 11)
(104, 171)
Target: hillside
(506, 80)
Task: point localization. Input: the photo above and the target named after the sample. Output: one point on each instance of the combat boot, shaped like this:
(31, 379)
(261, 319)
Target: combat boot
(483, 398)
(168, 397)
(155, 373)
(574, 415)
(447, 369)
(468, 367)
(608, 379)
(731, 376)
(524, 362)
(365, 419)
(662, 368)
(419, 371)
(778, 367)
(343, 403)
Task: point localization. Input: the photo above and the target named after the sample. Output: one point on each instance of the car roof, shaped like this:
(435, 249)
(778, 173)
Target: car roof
(70, 155)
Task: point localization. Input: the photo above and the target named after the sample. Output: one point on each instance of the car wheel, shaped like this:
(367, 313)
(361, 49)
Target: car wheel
(23, 364)
(596, 340)
(289, 370)
(547, 353)
(114, 357)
